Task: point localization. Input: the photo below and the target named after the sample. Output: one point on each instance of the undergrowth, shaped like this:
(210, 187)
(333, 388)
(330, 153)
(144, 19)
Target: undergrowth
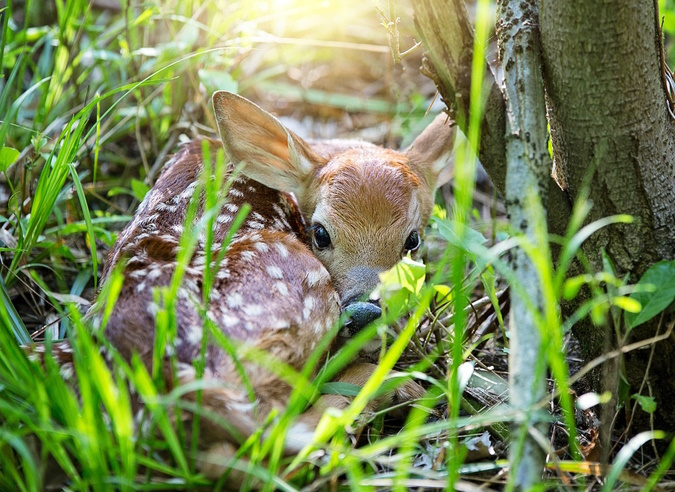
(94, 99)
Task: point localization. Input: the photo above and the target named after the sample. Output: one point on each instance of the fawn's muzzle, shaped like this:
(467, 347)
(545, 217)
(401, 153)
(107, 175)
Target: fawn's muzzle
(359, 314)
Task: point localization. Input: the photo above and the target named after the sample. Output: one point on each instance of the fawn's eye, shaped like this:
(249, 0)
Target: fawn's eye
(413, 242)
(321, 236)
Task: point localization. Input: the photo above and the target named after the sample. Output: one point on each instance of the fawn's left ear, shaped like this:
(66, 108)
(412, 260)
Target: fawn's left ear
(272, 154)
(431, 152)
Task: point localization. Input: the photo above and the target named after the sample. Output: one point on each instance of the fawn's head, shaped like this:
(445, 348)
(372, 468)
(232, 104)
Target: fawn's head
(365, 206)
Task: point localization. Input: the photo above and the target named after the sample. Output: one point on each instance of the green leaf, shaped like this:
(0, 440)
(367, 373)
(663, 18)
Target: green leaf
(647, 403)
(627, 304)
(340, 388)
(407, 274)
(448, 230)
(145, 15)
(442, 292)
(7, 157)
(397, 285)
(572, 285)
(655, 293)
(215, 80)
(139, 188)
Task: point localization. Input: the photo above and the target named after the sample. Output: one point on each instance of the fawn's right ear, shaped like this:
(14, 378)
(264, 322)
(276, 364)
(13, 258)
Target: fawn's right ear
(272, 155)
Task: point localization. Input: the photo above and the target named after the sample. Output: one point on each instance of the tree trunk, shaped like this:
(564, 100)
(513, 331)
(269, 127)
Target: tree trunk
(611, 131)
(610, 128)
(448, 38)
(528, 172)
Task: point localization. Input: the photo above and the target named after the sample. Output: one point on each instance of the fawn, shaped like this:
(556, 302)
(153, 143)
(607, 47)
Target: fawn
(327, 217)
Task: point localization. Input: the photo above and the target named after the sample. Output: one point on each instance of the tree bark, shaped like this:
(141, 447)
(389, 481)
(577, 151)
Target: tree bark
(448, 39)
(609, 126)
(528, 171)
(611, 131)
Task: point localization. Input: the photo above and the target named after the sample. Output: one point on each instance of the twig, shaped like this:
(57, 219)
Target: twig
(391, 26)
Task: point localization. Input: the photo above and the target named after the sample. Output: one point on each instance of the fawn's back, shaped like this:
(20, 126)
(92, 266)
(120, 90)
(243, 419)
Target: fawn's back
(269, 290)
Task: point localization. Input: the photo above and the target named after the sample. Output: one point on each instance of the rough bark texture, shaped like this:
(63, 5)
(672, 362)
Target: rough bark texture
(528, 170)
(610, 127)
(448, 38)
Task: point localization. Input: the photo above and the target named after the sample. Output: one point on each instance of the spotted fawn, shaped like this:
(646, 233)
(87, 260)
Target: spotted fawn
(326, 218)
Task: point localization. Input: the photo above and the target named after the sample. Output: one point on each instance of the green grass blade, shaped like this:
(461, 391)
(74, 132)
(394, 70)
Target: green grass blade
(51, 181)
(4, 20)
(625, 454)
(87, 220)
(10, 317)
(666, 460)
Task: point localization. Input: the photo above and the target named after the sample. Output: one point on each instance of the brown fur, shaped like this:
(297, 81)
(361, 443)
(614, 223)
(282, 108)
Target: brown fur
(273, 291)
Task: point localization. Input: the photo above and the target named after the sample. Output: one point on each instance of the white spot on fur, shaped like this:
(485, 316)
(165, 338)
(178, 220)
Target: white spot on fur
(282, 288)
(253, 309)
(140, 287)
(152, 309)
(282, 249)
(165, 207)
(185, 372)
(299, 436)
(149, 221)
(235, 300)
(228, 320)
(279, 211)
(281, 223)
(231, 207)
(256, 225)
(248, 255)
(262, 247)
(236, 192)
(275, 272)
(317, 277)
(279, 324)
(188, 192)
(64, 347)
(319, 328)
(194, 334)
(308, 304)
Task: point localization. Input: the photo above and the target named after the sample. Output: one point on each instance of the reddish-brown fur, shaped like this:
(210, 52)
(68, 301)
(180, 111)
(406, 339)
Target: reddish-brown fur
(274, 290)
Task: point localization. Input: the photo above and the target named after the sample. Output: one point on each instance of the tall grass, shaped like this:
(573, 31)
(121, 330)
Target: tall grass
(92, 102)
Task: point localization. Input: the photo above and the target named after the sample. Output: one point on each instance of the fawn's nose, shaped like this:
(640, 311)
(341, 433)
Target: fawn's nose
(360, 313)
